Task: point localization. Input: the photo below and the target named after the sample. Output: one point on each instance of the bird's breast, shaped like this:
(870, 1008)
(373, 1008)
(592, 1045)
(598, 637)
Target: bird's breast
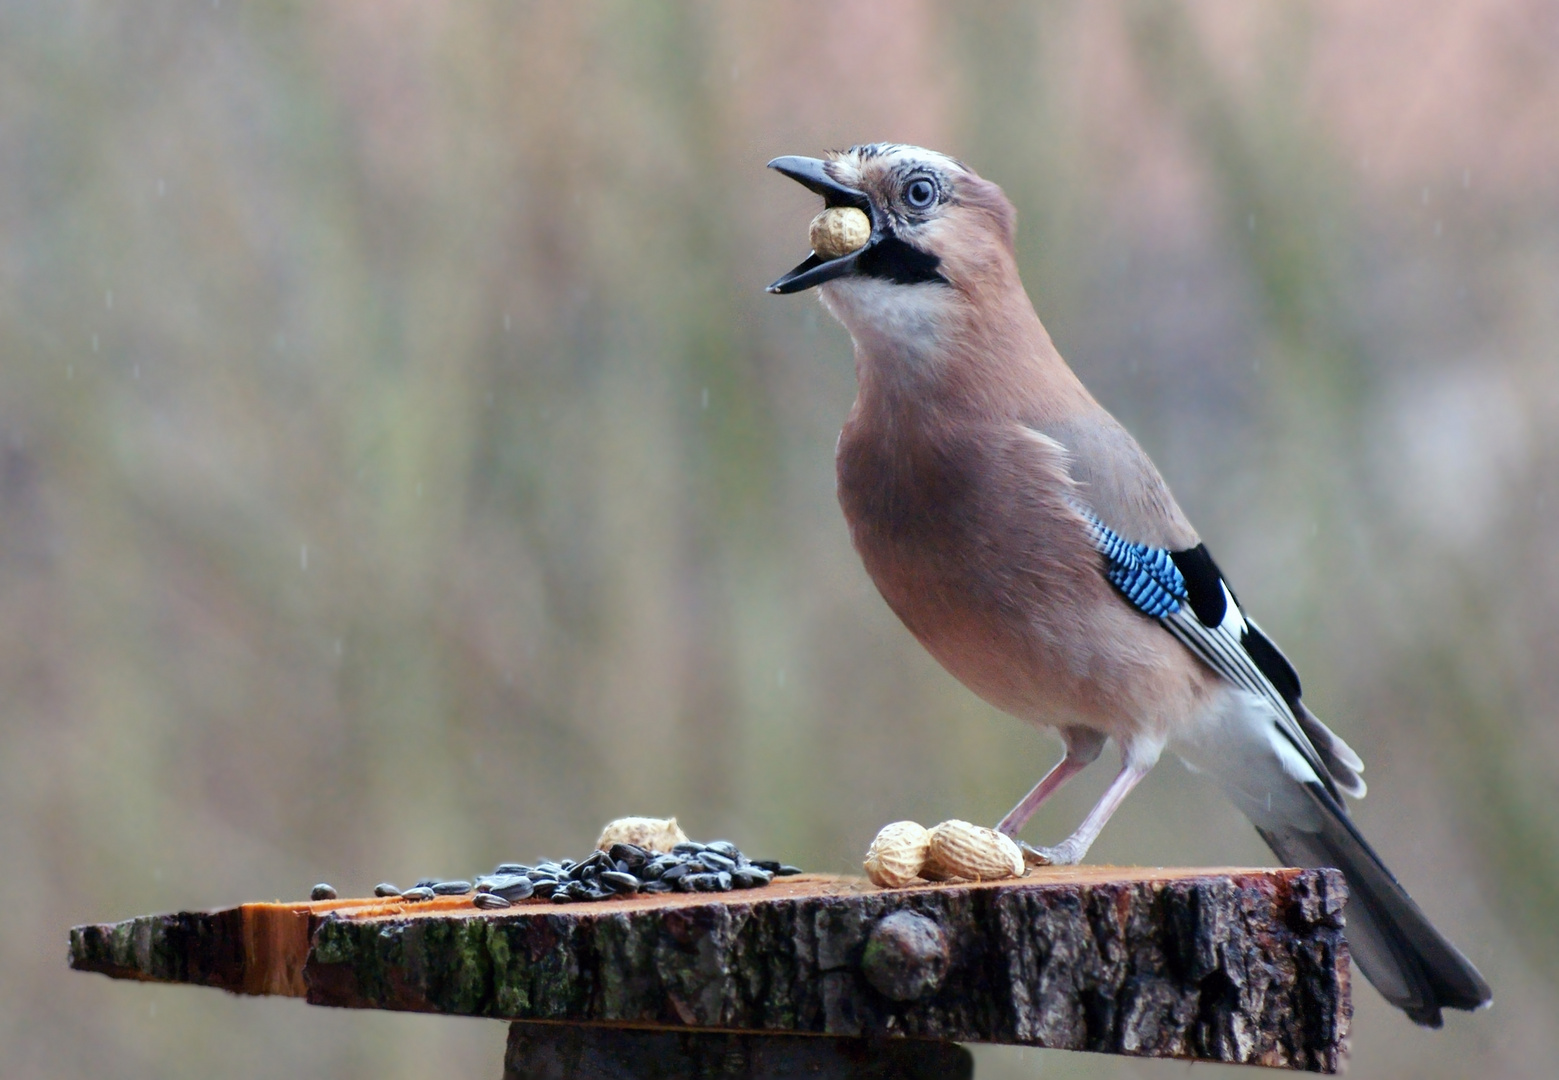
(925, 512)
(969, 535)
(905, 491)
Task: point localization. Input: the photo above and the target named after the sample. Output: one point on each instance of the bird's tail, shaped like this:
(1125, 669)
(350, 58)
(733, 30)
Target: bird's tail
(1410, 962)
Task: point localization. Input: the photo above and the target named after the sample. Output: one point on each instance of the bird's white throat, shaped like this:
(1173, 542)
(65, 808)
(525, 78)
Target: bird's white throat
(896, 323)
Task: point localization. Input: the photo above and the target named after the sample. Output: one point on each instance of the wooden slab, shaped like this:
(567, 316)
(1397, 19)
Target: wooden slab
(1229, 965)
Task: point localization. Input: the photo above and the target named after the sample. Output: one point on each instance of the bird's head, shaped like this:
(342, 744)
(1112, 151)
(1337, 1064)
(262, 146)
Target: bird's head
(941, 240)
(933, 221)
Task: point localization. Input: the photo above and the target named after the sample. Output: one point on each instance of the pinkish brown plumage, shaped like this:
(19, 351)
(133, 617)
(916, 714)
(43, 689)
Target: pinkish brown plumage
(1031, 546)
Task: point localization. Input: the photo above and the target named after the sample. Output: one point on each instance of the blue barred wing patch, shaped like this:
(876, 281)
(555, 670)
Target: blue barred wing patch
(1145, 575)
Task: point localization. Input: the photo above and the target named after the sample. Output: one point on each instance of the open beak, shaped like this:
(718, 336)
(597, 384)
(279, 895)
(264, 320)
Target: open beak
(810, 173)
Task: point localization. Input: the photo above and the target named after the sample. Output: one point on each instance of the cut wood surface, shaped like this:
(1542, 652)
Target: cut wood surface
(1226, 965)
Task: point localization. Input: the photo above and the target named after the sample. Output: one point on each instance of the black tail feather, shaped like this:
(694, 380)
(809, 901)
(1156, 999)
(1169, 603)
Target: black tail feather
(1410, 962)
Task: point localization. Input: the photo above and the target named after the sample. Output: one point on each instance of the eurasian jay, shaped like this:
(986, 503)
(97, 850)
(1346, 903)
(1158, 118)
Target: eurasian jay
(1028, 542)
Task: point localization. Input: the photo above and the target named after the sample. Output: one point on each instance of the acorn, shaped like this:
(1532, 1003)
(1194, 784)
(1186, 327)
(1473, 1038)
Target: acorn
(838, 231)
(897, 854)
(651, 834)
(958, 849)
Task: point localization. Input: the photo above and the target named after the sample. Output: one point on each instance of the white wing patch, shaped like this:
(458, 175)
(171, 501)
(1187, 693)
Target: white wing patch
(1220, 648)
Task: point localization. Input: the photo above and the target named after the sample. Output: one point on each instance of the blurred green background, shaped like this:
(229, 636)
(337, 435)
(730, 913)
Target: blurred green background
(402, 469)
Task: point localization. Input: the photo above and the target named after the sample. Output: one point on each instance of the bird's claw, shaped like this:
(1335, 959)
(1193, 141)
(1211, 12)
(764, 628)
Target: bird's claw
(1033, 856)
(1060, 855)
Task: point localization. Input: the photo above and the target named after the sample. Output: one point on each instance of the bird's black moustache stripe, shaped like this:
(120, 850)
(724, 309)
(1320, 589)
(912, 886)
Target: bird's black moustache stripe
(891, 259)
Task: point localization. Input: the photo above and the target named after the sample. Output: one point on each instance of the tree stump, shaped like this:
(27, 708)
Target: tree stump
(582, 1052)
(1240, 966)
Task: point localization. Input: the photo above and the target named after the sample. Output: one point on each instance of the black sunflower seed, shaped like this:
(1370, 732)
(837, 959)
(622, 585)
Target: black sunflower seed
(720, 882)
(322, 891)
(589, 867)
(451, 888)
(619, 882)
(724, 847)
(750, 877)
(687, 847)
(511, 868)
(522, 889)
(652, 870)
(632, 854)
(716, 861)
(489, 901)
(418, 894)
(385, 888)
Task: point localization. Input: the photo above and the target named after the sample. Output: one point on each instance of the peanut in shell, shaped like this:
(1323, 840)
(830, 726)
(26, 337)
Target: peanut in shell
(838, 231)
(651, 834)
(959, 849)
(897, 854)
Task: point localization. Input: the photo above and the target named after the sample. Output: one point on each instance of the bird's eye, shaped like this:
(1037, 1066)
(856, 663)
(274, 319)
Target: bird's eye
(920, 194)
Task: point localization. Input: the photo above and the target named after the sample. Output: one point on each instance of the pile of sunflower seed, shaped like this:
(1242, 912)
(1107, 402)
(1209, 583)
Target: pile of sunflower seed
(621, 870)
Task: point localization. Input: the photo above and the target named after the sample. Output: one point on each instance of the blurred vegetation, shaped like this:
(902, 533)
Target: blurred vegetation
(401, 468)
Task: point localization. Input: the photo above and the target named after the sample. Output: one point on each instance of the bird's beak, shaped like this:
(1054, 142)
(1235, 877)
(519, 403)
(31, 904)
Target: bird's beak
(810, 173)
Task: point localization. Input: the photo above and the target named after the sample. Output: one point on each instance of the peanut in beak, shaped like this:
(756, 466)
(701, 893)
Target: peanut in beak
(838, 231)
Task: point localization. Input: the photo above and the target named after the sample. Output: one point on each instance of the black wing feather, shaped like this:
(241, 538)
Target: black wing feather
(1203, 583)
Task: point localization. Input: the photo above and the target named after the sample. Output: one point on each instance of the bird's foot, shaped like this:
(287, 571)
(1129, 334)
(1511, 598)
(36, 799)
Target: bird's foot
(1060, 855)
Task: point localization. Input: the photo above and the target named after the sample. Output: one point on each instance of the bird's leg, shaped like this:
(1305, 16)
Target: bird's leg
(1135, 764)
(1082, 749)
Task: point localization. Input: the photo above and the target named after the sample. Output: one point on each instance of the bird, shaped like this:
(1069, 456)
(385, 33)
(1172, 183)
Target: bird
(1023, 536)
